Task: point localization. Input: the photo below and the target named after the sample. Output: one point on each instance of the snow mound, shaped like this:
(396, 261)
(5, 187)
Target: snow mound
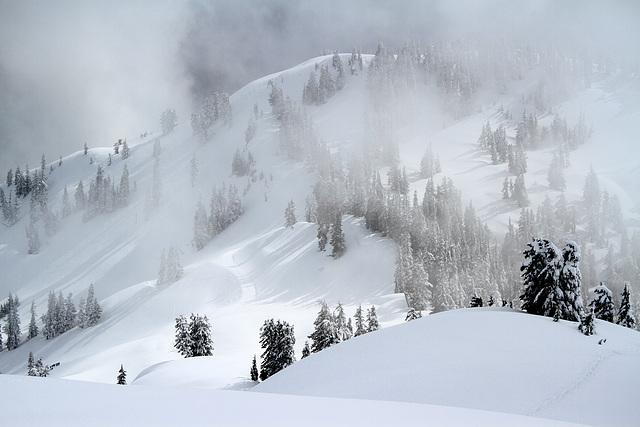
(493, 359)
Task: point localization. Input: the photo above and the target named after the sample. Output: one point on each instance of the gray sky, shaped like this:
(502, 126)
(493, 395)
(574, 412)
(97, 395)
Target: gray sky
(75, 71)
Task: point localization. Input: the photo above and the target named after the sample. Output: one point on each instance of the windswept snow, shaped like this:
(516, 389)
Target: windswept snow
(494, 359)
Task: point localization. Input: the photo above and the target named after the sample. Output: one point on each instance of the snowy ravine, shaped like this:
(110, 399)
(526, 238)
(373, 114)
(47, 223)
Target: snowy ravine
(257, 269)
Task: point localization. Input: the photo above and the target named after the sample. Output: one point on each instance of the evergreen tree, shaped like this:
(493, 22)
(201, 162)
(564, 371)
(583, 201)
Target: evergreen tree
(122, 376)
(586, 325)
(12, 327)
(306, 350)
(124, 187)
(290, 217)
(342, 328)
(325, 333)
(200, 336)
(520, 192)
(570, 283)
(360, 326)
(277, 339)
(86, 149)
(602, 303)
(80, 197)
(82, 314)
(183, 339)
(254, 370)
(412, 315)
(625, 312)
(33, 326)
(66, 205)
(476, 301)
(125, 150)
(372, 320)
(92, 308)
(31, 366)
(337, 237)
(9, 178)
(540, 271)
(50, 318)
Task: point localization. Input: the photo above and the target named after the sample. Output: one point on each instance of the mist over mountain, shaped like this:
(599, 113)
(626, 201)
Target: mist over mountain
(316, 199)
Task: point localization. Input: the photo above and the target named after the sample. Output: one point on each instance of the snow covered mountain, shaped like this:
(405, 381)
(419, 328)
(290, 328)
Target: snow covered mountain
(256, 268)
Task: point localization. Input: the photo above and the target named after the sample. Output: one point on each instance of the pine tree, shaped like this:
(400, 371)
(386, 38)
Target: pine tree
(31, 366)
(122, 376)
(124, 187)
(325, 333)
(586, 325)
(82, 314)
(360, 327)
(290, 217)
(253, 373)
(200, 336)
(540, 271)
(412, 314)
(85, 149)
(80, 197)
(306, 350)
(125, 150)
(33, 326)
(476, 301)
(372, 320)
(12, 327)
(277, 339)
(337, 237)
(92, 308)
(183, 339)
(602, 303)
(50, 318)
(340, 320)
(625, 312)
(570, 283)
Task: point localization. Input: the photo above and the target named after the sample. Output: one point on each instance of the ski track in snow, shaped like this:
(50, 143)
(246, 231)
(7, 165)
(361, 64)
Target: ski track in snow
(583, 378)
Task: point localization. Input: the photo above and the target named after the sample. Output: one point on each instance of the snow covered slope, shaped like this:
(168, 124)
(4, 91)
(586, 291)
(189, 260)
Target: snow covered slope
(86, 403)
(494, 359)
(256, 269)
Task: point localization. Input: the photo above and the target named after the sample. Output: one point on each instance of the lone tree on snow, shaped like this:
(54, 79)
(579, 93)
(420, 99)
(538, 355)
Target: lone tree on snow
(625, 314)
(122, 376)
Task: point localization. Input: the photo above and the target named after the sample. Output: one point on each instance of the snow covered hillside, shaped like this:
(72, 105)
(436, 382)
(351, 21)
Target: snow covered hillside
(494, 359)
(365, 147)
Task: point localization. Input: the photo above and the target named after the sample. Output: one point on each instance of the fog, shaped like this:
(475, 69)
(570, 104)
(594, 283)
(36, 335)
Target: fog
(74, 71)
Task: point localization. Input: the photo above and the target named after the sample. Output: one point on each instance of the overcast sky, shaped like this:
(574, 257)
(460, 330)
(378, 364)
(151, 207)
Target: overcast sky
(95, 71)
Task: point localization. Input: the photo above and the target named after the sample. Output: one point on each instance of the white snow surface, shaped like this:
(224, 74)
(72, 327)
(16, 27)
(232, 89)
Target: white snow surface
(257, 269)
(494, 359)
(84, 403)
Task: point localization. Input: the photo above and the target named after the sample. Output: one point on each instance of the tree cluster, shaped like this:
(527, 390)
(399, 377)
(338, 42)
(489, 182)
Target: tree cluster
(552, 280)
(333, 327)
(214, 107)
(168, 120)
(224, 208)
